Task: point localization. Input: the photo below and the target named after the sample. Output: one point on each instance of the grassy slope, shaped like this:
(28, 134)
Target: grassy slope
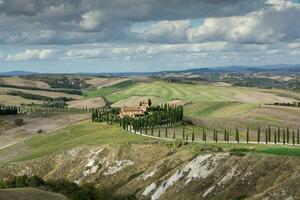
(217, 109)
(109, 90)
(29, 193)
(195, 93)
(80, 134)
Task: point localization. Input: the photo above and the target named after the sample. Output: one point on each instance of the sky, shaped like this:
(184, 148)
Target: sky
(146, 35)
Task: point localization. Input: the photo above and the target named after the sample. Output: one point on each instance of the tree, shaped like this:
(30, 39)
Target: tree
(275, 137)
(278, 132)
(247, 135)
(266, 136)
(287, 135)
(269, 133)
(298, 136)
(187, 137)
(293, 137)
(174, 135)
(193, 136)
(149, 102)
(166, 132)
(158, 131)
(237, 135)
(258, 134)
(283, 136)
(183, 132)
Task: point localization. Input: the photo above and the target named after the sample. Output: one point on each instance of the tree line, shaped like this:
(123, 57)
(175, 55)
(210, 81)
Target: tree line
(72, 190)
(8, 110)
(66, 91)
(275, 135)
(37, 96)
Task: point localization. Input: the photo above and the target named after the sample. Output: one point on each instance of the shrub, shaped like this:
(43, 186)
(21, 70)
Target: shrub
(18, 122)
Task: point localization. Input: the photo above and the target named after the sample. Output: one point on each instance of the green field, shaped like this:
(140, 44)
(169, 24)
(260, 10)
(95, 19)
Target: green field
(29, 194)
(191, 92)
(76, 135)
(104, 91)
(217, 109)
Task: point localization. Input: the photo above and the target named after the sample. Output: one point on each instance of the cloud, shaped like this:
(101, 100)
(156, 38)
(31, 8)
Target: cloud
(274, 24)
(105, 20)
(30, 54)
(160, 32)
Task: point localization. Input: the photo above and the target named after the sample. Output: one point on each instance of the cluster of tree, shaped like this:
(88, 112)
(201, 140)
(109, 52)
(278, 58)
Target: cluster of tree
(105, 114)
(294, 104)
(70, 189)
(165, 115)
(66, 91)
(8, 110)
(37, 96)
(59, 80)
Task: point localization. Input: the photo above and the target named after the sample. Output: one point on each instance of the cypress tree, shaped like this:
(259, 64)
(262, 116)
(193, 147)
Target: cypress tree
(203, 134)
(247, 135)
(158, 131)
(193, 136)
(275, 137)
(166, 132)
(283, 136)
(174, 135)
(152, 127)
(287, 135)
(237, 135)
(225, 136)
(216, 136)
(258, 134)
(293, 137)
(298, 134)
(269, 133)
(278, 132)
(266, 136)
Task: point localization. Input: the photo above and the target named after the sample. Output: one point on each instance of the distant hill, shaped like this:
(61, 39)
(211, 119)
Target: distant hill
(16, 73)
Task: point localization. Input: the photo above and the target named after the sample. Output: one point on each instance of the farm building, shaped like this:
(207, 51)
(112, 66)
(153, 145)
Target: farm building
(135, 111)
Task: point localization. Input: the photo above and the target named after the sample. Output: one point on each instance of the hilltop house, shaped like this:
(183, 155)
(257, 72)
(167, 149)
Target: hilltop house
(135, 111)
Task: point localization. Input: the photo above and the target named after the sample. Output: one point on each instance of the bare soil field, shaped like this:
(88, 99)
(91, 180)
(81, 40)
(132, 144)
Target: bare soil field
(87, 103)
(10, 133)
(18, 81)
(16, 101)
(104, 82)
(3, 90)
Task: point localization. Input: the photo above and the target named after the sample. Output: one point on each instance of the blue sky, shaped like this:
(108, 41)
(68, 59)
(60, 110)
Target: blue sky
(140, 35)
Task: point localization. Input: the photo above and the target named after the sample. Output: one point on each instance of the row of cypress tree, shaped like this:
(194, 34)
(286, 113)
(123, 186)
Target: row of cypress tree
(278, 135)
(8, 110)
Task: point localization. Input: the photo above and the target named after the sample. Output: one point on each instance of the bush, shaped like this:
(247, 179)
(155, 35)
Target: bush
(40, 131)
(18, 122)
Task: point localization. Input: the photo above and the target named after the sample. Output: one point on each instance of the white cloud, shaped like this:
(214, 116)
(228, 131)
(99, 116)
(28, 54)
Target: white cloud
(277, 23)
(161, 31)
(91, 20)
(84, 53)
(30, 54)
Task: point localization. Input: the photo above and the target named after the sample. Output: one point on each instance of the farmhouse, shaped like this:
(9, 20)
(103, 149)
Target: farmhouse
(135, 111)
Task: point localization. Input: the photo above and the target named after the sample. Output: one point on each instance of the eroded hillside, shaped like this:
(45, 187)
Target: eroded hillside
(158, 171)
